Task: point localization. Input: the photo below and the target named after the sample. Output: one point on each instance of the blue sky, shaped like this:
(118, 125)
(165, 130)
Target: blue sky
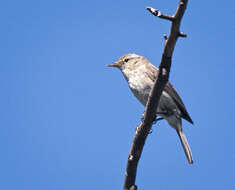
(67, 121)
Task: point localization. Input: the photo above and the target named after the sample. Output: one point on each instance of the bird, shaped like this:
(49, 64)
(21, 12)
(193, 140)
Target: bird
(140, 75)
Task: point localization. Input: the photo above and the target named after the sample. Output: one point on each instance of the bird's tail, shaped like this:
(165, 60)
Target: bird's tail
(185, 145)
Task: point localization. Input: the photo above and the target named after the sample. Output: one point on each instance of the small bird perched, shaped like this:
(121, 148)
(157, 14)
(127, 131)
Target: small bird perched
(141, 75)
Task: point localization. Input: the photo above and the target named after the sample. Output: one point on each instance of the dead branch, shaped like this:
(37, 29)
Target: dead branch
(163, 76)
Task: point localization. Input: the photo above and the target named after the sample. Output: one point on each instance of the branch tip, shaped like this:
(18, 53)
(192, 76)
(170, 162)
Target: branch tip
(153, 11)
(158, 13)
(183, 35)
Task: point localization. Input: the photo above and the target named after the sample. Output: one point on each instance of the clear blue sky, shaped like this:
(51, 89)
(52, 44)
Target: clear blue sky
(67, 121)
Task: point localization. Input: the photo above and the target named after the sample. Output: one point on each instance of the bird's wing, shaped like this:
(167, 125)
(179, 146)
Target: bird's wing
(171, 91)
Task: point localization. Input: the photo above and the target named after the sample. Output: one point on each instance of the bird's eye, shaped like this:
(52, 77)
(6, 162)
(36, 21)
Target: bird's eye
(126, 60)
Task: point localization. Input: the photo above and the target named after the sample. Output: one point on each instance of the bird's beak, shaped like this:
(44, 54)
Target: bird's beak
(114, 65)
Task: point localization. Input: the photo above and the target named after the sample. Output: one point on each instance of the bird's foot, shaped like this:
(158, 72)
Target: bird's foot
(157, 119)
(154, 122)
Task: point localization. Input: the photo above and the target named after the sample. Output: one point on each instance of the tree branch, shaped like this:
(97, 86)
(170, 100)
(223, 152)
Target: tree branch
(152, 104)
(159, 14)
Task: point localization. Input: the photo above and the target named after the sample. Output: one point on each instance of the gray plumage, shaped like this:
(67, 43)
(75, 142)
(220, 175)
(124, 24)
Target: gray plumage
(140, 75)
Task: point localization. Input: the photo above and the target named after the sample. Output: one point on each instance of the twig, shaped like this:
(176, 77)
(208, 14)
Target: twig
(159, 14)
(152, 104)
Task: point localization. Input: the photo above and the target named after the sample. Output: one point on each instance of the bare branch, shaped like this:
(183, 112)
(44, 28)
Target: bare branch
(149, 117)
(183, 35)
(159, 14)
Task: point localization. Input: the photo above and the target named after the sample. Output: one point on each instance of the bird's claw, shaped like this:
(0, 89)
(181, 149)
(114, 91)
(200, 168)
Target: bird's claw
(157, 119)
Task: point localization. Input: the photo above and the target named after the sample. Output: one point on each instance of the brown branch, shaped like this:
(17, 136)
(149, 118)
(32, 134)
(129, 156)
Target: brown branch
(162, 78)
(159, 14)
(183, 35)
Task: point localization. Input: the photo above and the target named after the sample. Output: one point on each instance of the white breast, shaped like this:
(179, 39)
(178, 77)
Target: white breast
(139, 83)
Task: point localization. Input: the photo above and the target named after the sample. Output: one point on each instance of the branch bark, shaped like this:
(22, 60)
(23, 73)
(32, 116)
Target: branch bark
(145, 126)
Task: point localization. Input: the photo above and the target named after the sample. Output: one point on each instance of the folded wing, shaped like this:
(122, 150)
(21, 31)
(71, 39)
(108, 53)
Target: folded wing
(171, 91)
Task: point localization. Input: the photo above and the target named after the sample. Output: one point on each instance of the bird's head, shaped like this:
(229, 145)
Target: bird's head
(128, 62)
